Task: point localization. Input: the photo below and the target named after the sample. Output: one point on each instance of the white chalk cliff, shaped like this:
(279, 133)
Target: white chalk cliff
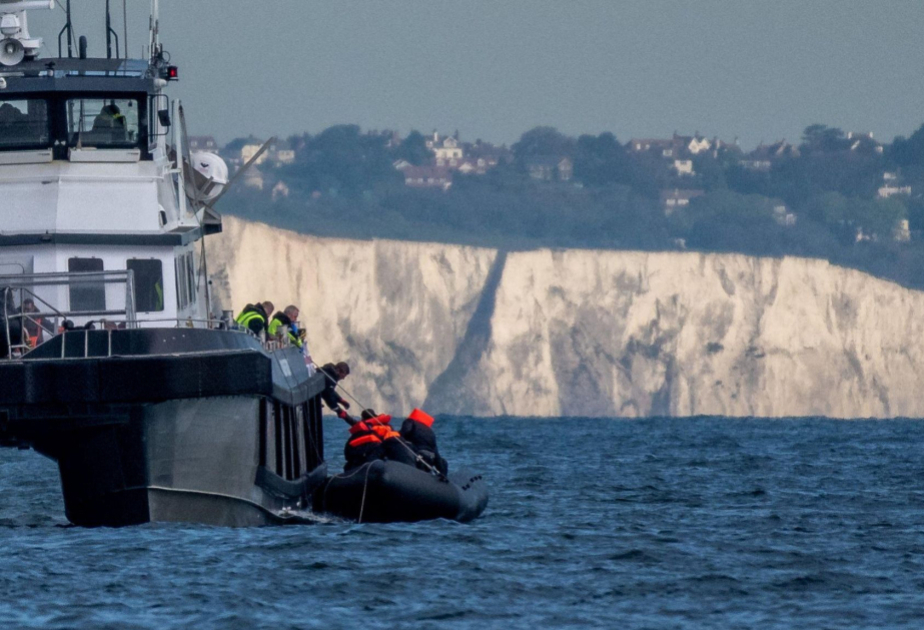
(475, 331)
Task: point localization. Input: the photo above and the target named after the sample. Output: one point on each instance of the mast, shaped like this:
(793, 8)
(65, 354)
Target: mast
(110, 33)
(155, 28)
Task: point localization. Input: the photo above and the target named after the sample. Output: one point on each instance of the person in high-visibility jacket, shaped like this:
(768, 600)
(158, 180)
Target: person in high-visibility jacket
(255, 317)
(110, 118)
(283, 324)
(373, 438)
(417, 430)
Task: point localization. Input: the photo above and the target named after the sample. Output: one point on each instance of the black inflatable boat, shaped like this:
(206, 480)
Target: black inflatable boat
(386, 492)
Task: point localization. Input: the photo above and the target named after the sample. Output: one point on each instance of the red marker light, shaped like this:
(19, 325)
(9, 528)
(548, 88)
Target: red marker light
(173, 73)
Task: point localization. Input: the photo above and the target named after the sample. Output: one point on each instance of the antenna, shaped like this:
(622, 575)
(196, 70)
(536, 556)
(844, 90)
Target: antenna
(125, 25)
(155, 27)
(110, 34)
(68, 26)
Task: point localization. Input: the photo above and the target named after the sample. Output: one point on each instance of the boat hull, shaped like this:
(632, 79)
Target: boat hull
(385, 491)
(219, 434)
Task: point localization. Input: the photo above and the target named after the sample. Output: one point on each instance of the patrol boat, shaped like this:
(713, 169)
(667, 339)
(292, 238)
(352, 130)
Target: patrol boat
(112, 361)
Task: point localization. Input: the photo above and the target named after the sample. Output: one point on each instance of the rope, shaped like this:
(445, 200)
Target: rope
(420, 460)
(309, 427)
(362, 503)
(343, 475)
(342, 388)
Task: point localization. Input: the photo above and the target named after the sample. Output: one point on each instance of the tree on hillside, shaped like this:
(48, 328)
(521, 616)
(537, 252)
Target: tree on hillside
(728, 221)
(845, 216)
(600, 160)
(823, 139)
(909, 151)
(542, 142)
(342, 159)
(710, 171)
(414, 149)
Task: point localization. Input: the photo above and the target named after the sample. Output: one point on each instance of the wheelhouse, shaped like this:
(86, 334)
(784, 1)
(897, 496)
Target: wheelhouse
(88, 105)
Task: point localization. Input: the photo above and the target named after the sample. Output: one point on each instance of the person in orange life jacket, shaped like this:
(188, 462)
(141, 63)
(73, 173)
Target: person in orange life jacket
(31, 324)
(417, 431)
(332, 375)
(373, 438)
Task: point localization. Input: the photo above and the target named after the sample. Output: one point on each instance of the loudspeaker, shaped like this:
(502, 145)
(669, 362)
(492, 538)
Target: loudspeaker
(11, 52)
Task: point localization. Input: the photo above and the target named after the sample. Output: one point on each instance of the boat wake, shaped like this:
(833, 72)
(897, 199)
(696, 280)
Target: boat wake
(306, 517)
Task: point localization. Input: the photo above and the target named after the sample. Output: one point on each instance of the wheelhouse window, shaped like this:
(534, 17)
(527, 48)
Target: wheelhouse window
(86, 294)
(185, 280)
(111, 123)
(24, 124)
(149, 284)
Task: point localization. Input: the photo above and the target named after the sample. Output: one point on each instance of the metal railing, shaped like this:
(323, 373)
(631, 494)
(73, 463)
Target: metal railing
(22, 327)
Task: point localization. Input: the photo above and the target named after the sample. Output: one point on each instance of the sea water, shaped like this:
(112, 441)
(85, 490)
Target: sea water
(692, 523)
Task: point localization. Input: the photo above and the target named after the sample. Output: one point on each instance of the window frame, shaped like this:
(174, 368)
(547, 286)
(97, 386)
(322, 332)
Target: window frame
(181, 289)
(90, 290)
(140, 141)
(56, 102)
(160, 264)
(191, 276)
(49, 120)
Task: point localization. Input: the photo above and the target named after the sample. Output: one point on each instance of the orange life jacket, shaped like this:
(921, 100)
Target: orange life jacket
(422, 417)
(373, 431)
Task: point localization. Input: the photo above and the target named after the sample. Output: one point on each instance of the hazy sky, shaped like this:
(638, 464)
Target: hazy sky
(492, 69)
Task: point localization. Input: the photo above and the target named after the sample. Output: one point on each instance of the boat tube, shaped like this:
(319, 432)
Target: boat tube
(386, 492)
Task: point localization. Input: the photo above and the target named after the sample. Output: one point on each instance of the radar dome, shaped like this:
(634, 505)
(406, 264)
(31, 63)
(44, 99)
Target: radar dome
(209, 176)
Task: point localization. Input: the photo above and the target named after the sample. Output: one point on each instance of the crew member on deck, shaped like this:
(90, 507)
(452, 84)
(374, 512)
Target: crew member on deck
(110, 118)
(284, 324)
(417, 430)
(255, 317)
(333, 374)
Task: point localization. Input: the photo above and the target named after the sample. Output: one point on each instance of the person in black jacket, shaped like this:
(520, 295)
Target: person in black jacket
(417, 431)
(333, 374)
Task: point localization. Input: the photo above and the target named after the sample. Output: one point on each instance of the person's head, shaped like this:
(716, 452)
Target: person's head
(268, 307)
(28, 306)
(342, 370)
(368, 414)
(112, 109)
(291, 312)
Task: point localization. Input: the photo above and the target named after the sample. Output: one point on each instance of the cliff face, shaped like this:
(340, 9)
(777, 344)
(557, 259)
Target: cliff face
(587, 333)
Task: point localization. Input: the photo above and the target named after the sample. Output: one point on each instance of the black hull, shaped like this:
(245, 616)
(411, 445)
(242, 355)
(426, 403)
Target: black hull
(387, 492)
(166, 425)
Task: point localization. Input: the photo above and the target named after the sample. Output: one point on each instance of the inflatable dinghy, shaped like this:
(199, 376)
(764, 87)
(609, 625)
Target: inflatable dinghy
(387, 492)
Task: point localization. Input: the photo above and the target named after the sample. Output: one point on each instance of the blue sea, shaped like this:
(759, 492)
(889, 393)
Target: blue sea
(661, 523)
